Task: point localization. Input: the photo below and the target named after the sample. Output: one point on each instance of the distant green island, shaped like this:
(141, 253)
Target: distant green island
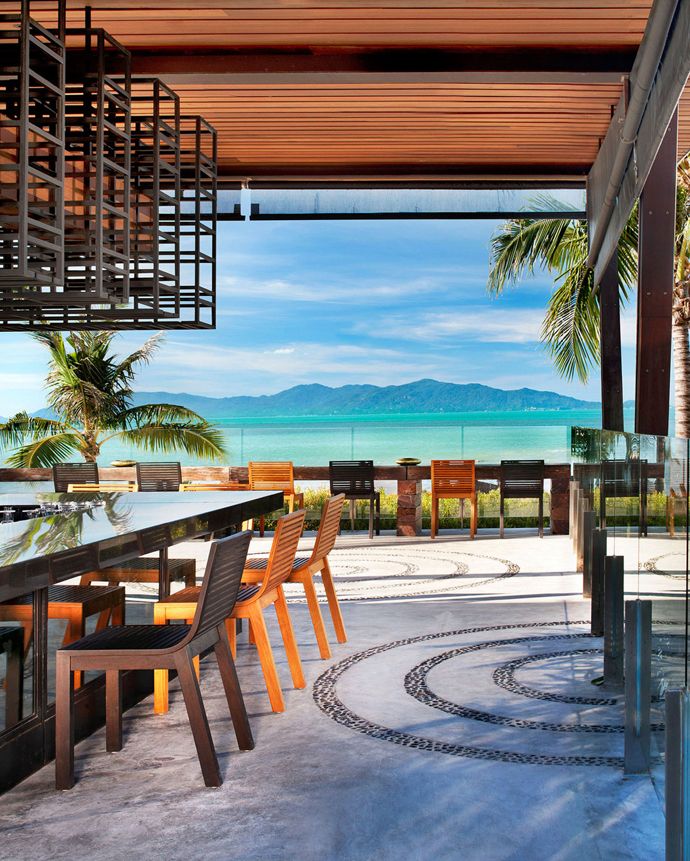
(421, 396)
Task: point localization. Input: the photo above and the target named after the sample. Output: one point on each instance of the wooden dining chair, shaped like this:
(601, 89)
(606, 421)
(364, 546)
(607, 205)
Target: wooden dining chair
(65, 474)
(355, 479)
(153, 647)
(304, 570)
(275, 475)
(158, 477)
(251, 602)
(522, 479)
(453, 479)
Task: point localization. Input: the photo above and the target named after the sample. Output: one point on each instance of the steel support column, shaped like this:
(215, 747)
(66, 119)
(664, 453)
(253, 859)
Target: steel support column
(597, 585)
(655, 289)
(638, 677)
(613, 621)
(677, 783)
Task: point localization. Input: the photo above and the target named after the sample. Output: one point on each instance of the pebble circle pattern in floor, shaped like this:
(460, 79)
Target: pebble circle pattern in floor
(327, 699)
(385, 572)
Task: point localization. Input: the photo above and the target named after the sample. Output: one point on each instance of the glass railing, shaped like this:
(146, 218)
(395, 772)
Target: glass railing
(637, 485)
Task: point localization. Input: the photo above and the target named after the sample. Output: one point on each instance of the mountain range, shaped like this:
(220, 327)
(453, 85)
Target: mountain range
(421, 396)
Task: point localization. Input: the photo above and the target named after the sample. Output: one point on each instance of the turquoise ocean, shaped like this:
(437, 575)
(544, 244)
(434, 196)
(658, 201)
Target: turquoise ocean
(312, 441)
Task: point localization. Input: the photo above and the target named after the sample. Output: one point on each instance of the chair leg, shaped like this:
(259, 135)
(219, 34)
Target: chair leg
(64, 722)
(231, 632)
(160, 677)
(75, 630)
(475, 516)
(333, 605)
(434, 516)
(262, 525)
(316, 617)
(250, 634)
(371, 518)
(289, 640)
(352, 515)
(233, 692)
(291, 503)
(268, 665)
(113, 710)
(378, 514)
(197, 718)
(501, 517)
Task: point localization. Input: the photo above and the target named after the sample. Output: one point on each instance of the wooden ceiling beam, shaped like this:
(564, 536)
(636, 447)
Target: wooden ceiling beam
(515, 66)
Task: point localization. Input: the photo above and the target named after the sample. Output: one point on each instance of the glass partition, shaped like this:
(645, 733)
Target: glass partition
(638, 486)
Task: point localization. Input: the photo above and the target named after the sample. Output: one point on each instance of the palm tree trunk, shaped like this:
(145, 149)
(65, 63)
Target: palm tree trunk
(681, 371)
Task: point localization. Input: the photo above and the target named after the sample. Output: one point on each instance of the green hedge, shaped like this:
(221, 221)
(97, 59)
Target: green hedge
(519, 512)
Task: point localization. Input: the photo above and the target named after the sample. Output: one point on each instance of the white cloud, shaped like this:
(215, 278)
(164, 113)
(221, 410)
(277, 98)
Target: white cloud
(493, 325)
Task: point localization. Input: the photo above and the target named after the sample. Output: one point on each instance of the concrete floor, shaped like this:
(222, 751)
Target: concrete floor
(458, 722)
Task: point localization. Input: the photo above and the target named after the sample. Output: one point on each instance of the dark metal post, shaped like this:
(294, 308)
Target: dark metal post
(583, 508)
(610, 348)
(613, 621)
(638, 673)
(655, 289)
(589, 520)
(597, 586)
(677, 788)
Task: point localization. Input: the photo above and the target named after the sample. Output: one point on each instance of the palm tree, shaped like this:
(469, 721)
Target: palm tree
(90, 392)
(570, 329)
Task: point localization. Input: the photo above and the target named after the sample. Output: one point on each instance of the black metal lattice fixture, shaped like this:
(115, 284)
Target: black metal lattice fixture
(32, 106)
(136, 195)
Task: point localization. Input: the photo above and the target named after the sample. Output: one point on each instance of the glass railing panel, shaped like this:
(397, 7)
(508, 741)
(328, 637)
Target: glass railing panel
(16, 661)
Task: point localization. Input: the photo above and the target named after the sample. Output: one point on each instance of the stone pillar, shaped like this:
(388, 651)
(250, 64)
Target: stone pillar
(409, 515)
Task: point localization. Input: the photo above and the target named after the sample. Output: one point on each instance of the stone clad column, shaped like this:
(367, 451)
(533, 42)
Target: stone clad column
(409, 516)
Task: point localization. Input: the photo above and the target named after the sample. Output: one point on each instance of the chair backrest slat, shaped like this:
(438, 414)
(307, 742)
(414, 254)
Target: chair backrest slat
(272, 475)
(65, 474)
(221, 583)
(153, 477)
(522, 478)
(283, 549)
(624, 478)
(329, 527)
(352, 477)
(453, 476)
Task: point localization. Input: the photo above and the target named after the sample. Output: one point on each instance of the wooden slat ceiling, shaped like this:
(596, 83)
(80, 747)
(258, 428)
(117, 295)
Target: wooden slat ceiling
(274, 129)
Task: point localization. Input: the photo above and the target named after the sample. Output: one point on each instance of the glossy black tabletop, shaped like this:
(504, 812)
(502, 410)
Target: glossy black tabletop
(120, 526)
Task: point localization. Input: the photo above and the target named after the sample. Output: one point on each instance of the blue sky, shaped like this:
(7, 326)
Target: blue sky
(336, 302)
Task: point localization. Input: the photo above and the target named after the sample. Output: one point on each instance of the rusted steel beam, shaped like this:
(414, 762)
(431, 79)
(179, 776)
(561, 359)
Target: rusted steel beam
(655, 289)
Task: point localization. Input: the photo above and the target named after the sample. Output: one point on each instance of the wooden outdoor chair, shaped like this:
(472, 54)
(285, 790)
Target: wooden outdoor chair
(251, 602)
(676, 491)
(453, 479)
(71, 604)
(355, 479)
(65, 474)
(275, 475)
(522, 479)
(158, 477)
(306, 567)
(154, 647)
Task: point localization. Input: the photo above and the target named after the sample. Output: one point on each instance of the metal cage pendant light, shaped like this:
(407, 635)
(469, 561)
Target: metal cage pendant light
(32, 105)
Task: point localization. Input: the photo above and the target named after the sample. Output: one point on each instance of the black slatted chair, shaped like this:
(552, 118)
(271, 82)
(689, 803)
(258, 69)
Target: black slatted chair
(355, 479)
(65, 474)
(522, 479)
(158, 476)
(161, 647)
(624, 479)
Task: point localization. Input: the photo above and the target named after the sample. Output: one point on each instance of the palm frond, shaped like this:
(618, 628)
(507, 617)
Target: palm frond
(22, 427)
(45, 451)
(198, 440)
(127, 366)
(158, 414)
(571, 325)
(521, 245)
